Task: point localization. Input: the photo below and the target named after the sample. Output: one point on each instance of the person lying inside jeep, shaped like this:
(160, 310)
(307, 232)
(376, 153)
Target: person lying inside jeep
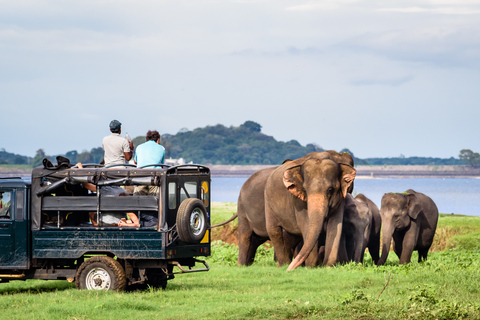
(111, 219)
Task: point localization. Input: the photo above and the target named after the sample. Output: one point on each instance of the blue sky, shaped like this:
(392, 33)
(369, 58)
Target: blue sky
(382, 78)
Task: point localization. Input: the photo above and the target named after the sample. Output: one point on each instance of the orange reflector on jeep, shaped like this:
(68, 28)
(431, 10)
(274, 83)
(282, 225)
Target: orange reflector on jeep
(206, 237)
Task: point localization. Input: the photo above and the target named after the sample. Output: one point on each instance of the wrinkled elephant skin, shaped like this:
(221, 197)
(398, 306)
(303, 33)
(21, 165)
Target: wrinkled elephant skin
(251, 207)
(300, 196)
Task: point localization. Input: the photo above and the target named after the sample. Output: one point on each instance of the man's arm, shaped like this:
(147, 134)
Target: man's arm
(133, 217)
(128, 155)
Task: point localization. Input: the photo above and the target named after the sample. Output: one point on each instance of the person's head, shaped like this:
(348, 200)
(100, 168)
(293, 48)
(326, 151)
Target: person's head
(115, 126)
(152, 135)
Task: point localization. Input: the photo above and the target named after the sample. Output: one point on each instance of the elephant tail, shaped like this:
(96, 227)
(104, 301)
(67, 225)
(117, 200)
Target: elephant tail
(225, 222)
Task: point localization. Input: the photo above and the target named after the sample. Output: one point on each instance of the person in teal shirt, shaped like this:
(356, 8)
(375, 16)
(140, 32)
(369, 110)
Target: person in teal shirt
(149, 154)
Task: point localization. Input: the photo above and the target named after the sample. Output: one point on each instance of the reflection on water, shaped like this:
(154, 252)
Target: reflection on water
(459, 196)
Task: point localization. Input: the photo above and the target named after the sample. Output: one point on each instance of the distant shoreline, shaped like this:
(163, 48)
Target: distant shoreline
(363, 172)
(367, 172)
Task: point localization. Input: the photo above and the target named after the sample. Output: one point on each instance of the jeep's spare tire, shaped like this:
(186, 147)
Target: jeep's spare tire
(191, 220)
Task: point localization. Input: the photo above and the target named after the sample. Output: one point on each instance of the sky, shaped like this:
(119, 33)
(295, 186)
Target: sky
(381, 78)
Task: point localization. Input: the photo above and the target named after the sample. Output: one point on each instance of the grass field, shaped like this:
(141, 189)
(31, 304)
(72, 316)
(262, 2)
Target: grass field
(447, 286)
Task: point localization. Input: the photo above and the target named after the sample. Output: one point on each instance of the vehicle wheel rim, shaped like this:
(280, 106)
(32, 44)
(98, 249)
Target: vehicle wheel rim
(98, 279)
(197, 222)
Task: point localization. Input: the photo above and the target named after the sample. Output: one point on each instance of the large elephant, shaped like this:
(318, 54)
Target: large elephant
(252, 230)
(300, 197)
(410, 219)
(374, 240)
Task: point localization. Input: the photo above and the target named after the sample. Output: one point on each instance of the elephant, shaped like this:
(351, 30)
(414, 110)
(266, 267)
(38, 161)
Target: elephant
(376, 225)
(361, 229)
(410, 219)
(300, 197)
(357, 223)
(252, 231)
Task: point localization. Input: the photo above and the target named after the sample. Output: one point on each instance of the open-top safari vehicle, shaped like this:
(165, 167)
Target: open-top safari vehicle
(46, 230)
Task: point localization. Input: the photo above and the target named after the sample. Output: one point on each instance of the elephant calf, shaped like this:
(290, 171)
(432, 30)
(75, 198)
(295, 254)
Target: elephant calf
(361, 228)
(410, 219)
(375, 227)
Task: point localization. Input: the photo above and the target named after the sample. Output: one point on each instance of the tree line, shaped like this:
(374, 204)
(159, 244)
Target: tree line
(242, 145)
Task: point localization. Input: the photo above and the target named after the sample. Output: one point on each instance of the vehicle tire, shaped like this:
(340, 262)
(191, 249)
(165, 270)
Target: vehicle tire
(101, 273)
(191, 220)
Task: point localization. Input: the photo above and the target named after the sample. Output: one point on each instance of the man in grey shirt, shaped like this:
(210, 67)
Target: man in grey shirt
(118, 150)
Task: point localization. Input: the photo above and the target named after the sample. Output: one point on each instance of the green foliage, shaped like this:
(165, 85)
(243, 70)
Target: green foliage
(235, 145)
(39, 156)
(409, 161)
(11, 158)
(470, 157)
(227, 254)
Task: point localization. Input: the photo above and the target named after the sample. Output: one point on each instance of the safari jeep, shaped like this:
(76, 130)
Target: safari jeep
(46, 230)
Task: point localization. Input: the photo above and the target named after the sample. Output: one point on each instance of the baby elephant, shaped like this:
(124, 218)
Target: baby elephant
(361, 229)
(410, 219)
(375, 226)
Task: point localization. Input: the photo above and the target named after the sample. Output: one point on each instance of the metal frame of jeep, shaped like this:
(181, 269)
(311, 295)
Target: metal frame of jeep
(50, 236)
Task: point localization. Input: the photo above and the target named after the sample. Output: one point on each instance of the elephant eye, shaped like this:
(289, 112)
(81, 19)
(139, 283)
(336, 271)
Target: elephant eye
(330, 191)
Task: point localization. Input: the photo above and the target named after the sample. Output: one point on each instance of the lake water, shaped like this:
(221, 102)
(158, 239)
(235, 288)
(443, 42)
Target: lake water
(458, 196)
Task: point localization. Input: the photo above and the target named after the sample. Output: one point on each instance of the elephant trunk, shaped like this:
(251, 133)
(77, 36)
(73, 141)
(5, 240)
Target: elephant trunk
(317, 211)
(386, 242)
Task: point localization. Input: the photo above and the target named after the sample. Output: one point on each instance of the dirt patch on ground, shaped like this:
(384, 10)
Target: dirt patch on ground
(226, 233)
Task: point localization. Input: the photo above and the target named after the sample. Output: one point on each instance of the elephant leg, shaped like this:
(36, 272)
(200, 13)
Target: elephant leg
(255, 242)
(342, 251)
(333, 236)
(246, 252)
(408, 244)
(422, 254)
(281, 252)
(291, 243)
(397, 245)
(275, 233)
(374, 248)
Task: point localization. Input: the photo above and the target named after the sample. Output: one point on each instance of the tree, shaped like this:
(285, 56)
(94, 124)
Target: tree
(84, 157)
(467, 155)
(72, 156)
(96, 154)
(38, 159)
(252, 126)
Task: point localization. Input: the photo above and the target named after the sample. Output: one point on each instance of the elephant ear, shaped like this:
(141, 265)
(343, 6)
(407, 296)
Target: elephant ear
(348, 175)
(293, 181)
(414, 207)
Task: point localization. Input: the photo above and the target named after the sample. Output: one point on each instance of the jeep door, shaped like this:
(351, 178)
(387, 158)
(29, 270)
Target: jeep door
(6, 226)
(13, 229)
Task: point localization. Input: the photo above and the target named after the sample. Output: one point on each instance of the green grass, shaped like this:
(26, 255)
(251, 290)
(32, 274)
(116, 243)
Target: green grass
(446, 286)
